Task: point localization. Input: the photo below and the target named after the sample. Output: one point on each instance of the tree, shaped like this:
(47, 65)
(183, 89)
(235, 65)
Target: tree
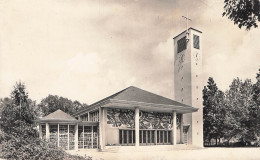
(255, 110)
(244, 13)
(53, 103)
(18, 135)
(78, 106)
(213, 111)
(18, 113)
(239, 102)
(3, 102)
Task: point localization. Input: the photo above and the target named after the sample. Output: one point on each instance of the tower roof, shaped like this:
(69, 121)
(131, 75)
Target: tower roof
(185, 31)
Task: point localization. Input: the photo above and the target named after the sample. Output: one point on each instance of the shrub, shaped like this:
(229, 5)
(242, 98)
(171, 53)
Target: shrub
(19, 137)
(31, 148)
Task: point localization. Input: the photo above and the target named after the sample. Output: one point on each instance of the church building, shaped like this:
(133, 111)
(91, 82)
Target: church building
(135, 117)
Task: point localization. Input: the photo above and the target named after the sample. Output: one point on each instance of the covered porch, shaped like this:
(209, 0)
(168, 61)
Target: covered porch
(134, 117)
(68, 133)
(142, 124)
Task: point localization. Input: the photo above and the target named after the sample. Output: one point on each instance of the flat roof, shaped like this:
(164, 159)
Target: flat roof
(185, 31)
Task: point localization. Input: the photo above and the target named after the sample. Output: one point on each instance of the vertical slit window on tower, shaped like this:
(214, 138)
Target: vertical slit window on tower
(196, 41)
(181, 44)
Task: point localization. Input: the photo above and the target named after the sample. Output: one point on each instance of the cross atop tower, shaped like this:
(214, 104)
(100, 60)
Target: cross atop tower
(187, 23)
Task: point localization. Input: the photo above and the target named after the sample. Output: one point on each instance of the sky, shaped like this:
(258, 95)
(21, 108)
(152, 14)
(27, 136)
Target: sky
(86, 50)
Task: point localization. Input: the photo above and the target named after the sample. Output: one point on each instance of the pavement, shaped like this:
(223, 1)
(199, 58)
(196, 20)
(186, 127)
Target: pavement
(189, 154)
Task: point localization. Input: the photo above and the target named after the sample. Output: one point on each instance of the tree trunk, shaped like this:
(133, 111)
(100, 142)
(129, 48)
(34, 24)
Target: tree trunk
(216, 141)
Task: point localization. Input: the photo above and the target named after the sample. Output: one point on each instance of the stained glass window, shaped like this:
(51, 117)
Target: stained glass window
(71, 136)
(54, 134)
(63, 135)
(87, 137)
(95, 137)
(80, 137)
(94, 116)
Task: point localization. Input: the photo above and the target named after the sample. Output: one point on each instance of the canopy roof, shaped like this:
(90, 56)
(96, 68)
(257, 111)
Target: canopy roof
(58, 116)
(135, 97)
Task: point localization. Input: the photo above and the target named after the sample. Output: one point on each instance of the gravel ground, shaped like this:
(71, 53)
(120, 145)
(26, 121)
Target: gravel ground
(193, 154)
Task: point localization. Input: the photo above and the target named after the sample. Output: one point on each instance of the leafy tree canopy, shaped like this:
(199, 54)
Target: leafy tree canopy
(244, 13)
(233, 114)
(255, 110)
(18, 112)
(213, 111)
(52, 103)
(239, 101)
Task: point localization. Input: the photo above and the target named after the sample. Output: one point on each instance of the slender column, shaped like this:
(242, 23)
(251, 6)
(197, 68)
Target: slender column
(146, 136)
(83, 136)
(92, 136)
(132, 136)
(167, 141)
(47, 132)
(58, 134)
(123, 136)
(155, 137)
(127, 137)
(76, 136)
(136, 126)
(40, 130)
(88, 117)
(68, 137)
(174, 128)
(142, 135)
(159, 140)
(104, 119)
(101, 146)
(181, 129)
(163, 136)
(150, 136)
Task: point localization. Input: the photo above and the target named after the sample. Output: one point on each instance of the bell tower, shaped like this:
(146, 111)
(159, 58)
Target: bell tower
(188, 81)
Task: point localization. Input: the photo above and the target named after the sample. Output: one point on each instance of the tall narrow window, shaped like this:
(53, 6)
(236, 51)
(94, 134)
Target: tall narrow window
(95, 137)
(54, 134)
(87, 137)
(181, 44)
(80, 137)
(63, 135)
(71, 136)
(196, 41)
(120, 136)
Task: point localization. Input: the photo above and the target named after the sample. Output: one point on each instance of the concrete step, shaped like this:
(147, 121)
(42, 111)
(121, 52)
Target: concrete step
(116, 149)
